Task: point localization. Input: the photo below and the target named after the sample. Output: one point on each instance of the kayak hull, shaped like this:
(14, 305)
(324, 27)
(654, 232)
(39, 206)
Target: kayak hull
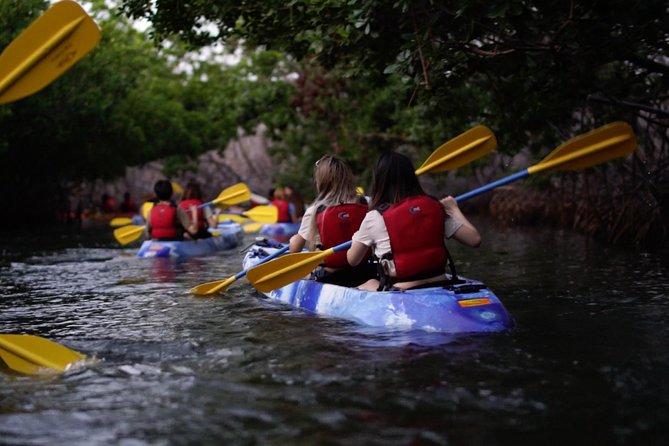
(281, 232)
(227, 236)
(468, 307)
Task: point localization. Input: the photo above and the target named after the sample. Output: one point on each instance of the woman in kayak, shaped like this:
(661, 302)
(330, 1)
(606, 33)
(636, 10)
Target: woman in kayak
(190, 200)
(166, 220)
(407, 229)
(332, 219)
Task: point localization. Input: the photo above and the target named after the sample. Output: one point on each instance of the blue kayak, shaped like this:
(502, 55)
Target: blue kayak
(466, 307)
(226, 236)
(281, 232)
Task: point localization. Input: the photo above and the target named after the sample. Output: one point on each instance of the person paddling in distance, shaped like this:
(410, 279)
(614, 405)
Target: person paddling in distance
(166, 220)
(295, 203)
(278, 199)
(407, 229)
(333, 217)
(205, 218)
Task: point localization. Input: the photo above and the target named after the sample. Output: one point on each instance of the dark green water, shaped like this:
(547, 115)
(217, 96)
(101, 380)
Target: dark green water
(587, 363)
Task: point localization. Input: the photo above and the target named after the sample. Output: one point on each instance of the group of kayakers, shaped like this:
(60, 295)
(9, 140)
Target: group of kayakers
(401, 227)
(168, 220)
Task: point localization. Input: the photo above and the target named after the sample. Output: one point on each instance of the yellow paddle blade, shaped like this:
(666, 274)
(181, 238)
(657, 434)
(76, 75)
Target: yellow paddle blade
(51, 45)
(233, 217)
(252, 227)
(176, 188)
(284, 270)
(463, 149)
(602, 144)
(263, 214)
(128, 234)
(146, 209)
(120, 221)
(32, 354)
(210, 288)
(360, 190)
(234, 194)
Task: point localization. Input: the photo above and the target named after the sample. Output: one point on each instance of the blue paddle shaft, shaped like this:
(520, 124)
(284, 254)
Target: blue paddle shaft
(241, 274)
(501, 182)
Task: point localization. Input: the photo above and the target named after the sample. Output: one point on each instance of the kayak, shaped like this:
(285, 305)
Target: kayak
(281, 232)
(226, 236)
(467, 307)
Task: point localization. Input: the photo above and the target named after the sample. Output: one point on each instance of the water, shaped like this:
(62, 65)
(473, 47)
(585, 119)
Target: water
(587, 363)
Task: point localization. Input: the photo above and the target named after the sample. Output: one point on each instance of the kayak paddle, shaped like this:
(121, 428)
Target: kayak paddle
(30, 354)
(51, 45)
(219, 286)
(117, 222)
(460, 150)
(252, 227)
(463, 149)
(603, 144)
(260, 214)
(234, 194)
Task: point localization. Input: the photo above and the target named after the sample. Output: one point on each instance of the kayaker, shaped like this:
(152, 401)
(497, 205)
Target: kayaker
(128, 204)
(295, 203)
(279, 200)
(190, 200)
(167, 221)
(332, 219)
(407, 229)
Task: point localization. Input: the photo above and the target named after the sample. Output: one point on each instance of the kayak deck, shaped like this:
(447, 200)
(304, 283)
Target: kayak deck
(227, 236)
(461, 308)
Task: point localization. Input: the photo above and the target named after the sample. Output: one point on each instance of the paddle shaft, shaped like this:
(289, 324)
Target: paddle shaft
(278, 253)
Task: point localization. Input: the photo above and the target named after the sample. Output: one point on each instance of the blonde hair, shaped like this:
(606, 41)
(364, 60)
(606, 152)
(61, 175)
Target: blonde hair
(335, 186)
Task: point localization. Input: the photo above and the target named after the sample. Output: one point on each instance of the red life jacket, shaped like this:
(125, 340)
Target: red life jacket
(416, 230)
(284, 214)
(164, 222)
(336, 225)
(186, 204)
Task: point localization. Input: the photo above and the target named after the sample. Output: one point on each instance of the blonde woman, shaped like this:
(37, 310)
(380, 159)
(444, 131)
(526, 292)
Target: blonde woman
(332, 219)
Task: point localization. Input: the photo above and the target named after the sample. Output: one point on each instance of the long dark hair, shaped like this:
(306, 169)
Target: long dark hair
(394, 180)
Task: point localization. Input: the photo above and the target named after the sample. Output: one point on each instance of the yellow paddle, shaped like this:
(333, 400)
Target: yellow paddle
(117, 222)
(46, 49)
(252, 227)
(219, 286)
(603, 144)
(463, 149)
(460, 150)
(260, 214)
(235, 194)
(145, 210)
(31, 355)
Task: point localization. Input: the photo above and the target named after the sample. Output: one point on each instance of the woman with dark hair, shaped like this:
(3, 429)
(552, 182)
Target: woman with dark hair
(407, 229)
(190, 200)
(167, 221)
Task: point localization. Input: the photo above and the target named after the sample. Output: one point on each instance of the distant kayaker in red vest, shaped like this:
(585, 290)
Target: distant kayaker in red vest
(295, 203)
(128, 204)
(407, 229)
(332, 219)
(278, 199)
(167, 221)
(190, 200)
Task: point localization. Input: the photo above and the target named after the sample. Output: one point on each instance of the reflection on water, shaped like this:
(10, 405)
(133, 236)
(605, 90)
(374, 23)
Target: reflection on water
(586, 363)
